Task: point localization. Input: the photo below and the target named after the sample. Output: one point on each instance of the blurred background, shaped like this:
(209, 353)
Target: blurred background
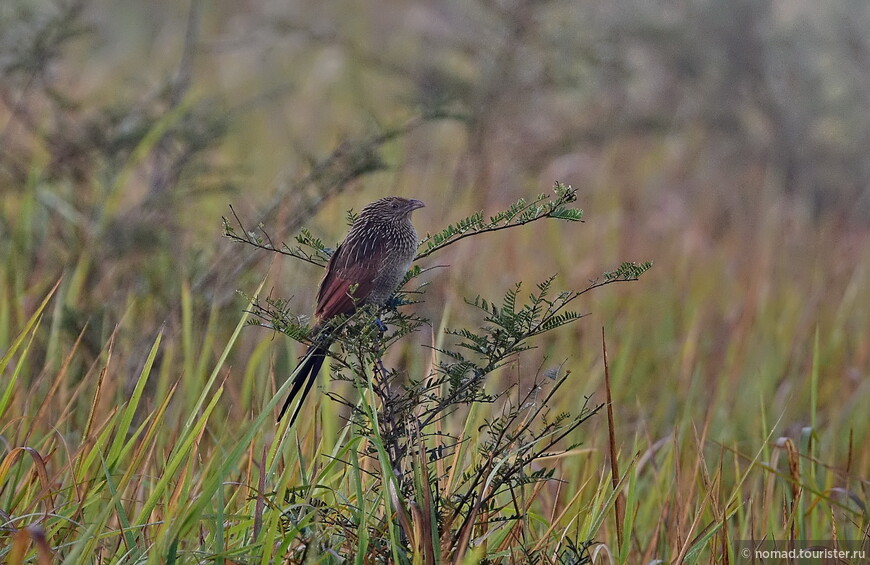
(724, 140)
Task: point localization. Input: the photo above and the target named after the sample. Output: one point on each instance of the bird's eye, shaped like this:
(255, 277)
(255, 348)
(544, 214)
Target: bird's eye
(394, 205)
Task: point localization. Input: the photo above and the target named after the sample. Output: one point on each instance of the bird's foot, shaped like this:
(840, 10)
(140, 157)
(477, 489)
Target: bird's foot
(395, 301)
(380, 325)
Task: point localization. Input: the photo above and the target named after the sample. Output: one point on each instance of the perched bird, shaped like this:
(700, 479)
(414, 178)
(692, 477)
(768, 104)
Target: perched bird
(367, 268)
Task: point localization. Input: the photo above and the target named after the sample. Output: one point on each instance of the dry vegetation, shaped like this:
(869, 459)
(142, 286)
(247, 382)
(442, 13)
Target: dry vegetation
(726, 141)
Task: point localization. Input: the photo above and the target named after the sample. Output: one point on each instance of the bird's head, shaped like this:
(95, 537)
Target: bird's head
(393, 207)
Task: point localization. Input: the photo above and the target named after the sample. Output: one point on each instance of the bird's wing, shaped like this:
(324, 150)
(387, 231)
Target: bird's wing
(349, 278)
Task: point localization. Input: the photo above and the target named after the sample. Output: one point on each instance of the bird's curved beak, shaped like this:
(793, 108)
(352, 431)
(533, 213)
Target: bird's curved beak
(414, 204)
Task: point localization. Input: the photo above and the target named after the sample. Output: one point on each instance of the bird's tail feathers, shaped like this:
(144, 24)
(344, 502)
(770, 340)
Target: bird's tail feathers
(305, 375)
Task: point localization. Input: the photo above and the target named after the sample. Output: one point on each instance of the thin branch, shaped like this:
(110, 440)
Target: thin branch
(265, 242)
(475, 225)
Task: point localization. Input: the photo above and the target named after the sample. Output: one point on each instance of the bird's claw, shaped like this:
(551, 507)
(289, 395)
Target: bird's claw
(395, 301)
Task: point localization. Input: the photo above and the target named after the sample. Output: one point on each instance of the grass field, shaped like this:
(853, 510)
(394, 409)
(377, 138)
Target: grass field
(137, 407)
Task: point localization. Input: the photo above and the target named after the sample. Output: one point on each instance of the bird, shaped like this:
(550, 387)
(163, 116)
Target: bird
(366, 268)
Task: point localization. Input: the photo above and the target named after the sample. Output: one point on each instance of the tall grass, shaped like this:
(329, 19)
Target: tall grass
(171, 452)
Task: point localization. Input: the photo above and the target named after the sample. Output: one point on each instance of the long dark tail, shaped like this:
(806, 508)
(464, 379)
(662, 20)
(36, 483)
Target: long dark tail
(304, 376)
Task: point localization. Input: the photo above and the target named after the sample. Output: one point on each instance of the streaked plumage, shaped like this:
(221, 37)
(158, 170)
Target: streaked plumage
(365, 269)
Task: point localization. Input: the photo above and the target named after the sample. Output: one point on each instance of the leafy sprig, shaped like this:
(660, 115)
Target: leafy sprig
(507, 330)
(519, 213)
